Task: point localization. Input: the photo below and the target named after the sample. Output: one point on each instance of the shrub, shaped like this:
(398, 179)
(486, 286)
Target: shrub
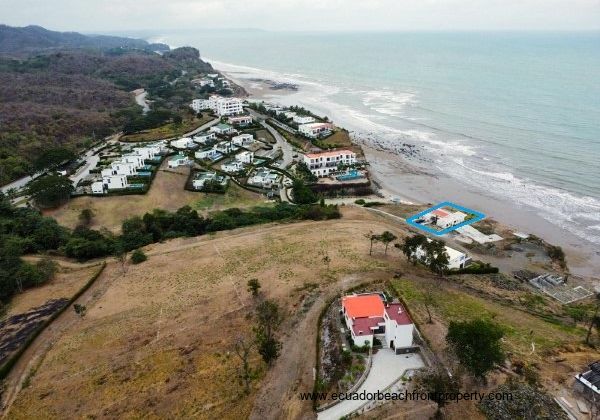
(138, 256)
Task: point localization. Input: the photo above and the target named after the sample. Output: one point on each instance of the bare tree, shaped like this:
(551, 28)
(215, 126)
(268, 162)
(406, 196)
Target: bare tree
(243, 349)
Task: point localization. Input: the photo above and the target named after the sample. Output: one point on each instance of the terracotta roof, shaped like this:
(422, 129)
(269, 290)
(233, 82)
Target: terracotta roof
(362, 326)
(397, 312)
(330, 153)
(362, 306)
(440, 213)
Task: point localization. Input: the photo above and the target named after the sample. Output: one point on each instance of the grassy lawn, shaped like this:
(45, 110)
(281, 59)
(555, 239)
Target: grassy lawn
(235, 196)
(521, 328)
(168, 130)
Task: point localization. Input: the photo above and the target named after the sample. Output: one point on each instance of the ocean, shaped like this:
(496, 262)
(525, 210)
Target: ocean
(512, 114)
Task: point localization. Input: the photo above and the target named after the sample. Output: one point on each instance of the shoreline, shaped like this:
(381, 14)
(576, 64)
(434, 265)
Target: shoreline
(401, 174)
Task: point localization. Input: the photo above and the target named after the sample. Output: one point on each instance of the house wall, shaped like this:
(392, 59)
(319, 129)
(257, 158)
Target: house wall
(401, 335)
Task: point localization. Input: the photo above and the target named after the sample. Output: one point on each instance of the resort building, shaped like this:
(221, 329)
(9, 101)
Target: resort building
(232, 167)
(324, 163)
(240, 121)
(178, 160)
(303, 119)
(368, 316)
(243, 140)
(245, 157)
(200, 105)
(315, 130)
(183, 143)
(222, 129)
(456, 259)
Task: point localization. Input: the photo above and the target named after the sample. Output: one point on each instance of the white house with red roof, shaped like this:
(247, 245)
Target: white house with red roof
(315, 130)
(446, 218)
(368, 316)
(324, 163)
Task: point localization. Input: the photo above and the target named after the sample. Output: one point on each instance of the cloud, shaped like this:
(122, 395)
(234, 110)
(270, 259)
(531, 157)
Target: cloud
(103, 15)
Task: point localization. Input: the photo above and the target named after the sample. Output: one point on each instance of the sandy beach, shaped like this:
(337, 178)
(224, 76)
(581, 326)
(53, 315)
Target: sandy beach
(404, 173)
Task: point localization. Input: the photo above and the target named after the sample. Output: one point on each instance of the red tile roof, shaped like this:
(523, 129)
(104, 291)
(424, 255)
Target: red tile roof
(330, 153)
(362, 306)
(397, 312)
(440, 213)
(362, 326)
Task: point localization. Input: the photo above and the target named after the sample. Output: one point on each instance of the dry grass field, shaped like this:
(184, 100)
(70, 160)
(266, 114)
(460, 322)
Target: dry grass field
(165, 193)
(157, 339)
(168, 130)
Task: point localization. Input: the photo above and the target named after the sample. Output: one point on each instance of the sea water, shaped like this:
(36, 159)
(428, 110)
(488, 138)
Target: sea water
(515, 114)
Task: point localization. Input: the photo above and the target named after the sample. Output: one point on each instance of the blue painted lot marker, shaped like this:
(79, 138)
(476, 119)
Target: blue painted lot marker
(478, 216)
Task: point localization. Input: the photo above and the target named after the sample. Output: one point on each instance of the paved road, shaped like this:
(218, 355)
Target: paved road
(387, 368)
(202, 127)
(286, 148)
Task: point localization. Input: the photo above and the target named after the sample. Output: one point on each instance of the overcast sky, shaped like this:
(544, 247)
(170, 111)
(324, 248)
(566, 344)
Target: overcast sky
(123, 15)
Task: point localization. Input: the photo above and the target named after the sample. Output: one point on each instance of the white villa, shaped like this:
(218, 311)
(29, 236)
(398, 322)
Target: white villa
(135, 159)
(97, 187)
(111, 181)
(303, 119)
(232, 167)
(220, 105)
(315, 130)
(205, 137)
(456, 259)
(368, 317)
(243, 139)
(212, 75)
(200, 104)
(202, 177)
(240, 121)
(123, 168)
(445, 218)
(225, 147)
(263, 178)
(289, 114)
(178, 160)
(324, 163)
(183, 143)
(245, 157)
(207, 154)
(222, 129)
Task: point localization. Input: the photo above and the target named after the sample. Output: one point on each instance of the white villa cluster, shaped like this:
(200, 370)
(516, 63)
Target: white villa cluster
(367, 317)
(130, 164)
(315, 130)
(324, 163)
(219, 105)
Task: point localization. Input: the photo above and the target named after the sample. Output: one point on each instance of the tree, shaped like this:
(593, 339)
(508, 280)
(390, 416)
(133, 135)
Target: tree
(138, 256)
(243, 349)
(410, 246)
(50, 190)
(254, 287)
(428, 301)
(372, 238)
(303, 194)
(437, 258)
(52, 158)
(438, 384)
(269, 318)
(86, 216)
(476, 344)
(387, 237)
(80, 309)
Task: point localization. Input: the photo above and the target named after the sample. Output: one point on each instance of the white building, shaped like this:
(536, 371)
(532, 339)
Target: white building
(289, 114)
(222, 129)
(445, 218)
(178, 160)
(243, 140)
(210, 154)
(135, 159)
(315, 130)
(212, 75)
(183, 143)
(97, 187)
(303, 119)
(225, 147)
(225, 106)
(205, 137)
(114, 182)
(264, 178)
(202, 177)
(456, 259)
(240, 121)
(123, 168)
(324, 163)
(245, 157)
(368, 317)
(232, 167)
(200, 105)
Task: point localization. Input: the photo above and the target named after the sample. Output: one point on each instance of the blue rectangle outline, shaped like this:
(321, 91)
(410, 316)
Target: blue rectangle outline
(478, 216)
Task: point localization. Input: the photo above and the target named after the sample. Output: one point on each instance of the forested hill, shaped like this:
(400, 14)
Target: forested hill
(35, 39)
(68, 96)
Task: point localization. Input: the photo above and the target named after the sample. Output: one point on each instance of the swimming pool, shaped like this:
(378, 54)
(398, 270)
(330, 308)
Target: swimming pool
(349, 176)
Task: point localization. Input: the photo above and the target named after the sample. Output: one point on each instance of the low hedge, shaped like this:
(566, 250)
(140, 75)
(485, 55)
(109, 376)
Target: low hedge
(475, 269)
